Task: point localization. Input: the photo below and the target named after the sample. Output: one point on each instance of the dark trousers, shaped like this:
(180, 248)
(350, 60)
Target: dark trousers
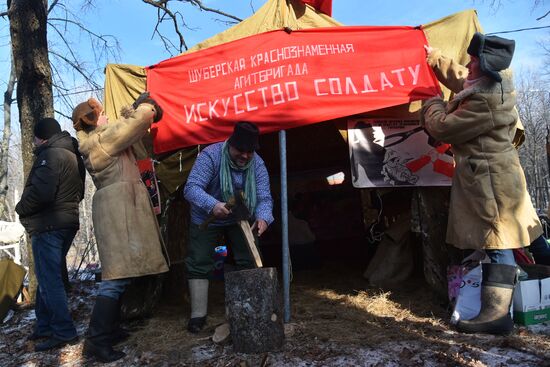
(52, 311)
(540, 250)
(200, 256)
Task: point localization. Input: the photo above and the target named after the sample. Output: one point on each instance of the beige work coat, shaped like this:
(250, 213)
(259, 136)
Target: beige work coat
(126, 230)
(490, 207)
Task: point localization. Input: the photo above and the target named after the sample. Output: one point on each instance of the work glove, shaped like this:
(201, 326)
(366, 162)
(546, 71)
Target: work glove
(145, 98)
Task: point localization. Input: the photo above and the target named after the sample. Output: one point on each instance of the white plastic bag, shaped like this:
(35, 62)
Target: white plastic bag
(468, 301)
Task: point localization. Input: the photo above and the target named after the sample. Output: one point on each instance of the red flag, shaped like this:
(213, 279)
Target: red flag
(324, 6)
(280, 81)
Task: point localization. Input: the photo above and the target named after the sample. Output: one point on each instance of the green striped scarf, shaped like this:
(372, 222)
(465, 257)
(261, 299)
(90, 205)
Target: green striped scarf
(226, 182)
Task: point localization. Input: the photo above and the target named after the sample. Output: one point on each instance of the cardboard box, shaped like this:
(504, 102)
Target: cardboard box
(545, 293)
(532, 301)
(532, 317)
(527, 295)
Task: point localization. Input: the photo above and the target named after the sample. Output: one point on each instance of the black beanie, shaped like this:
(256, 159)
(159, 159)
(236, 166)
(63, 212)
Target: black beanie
(46, 128)
(245, 137)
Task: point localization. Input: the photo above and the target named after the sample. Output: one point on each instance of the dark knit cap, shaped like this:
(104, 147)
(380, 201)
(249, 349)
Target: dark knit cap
(495, 53)
(245, 137)
(46, 128)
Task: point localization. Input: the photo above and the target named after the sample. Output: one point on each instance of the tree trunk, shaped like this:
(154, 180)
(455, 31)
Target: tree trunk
(175, 229)
(4, 148)
(141, 297)
(431, 209)
(28, 29)
(254, 310)
(548, 151)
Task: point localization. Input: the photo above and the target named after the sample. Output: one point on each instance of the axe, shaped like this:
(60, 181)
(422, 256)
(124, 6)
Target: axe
(240, 212)
(229, 206)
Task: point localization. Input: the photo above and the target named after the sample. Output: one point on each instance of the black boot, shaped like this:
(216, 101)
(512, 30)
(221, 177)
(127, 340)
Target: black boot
(198, 291)
(196, 324)
(497, 288)
(99, 342)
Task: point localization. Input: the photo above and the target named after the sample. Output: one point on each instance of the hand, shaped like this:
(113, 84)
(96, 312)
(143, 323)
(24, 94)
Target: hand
(158, 111)
(145, 98)
(142, 97)
(428, 49)
(220, 211)
(261, 225)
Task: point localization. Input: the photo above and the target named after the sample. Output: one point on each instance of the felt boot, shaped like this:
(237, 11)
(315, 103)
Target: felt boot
(198, 291)
(497, 288)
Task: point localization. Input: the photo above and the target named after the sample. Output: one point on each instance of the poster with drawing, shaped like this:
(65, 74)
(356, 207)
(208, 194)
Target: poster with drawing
(393, 152)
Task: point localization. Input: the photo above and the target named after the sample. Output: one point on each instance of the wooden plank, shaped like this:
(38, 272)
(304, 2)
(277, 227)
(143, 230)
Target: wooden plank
(251, 242)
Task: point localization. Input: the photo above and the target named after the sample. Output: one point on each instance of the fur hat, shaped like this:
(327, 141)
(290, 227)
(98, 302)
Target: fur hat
(245, 137)
(46, 128)
(86, 114)
(495, 53)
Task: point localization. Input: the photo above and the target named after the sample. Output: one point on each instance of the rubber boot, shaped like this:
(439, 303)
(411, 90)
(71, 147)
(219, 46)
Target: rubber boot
(99, 342)
(198, 291)
(497, 288)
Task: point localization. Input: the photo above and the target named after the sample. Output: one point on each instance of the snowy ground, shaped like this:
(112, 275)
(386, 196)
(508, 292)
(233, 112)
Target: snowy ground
(335, 322)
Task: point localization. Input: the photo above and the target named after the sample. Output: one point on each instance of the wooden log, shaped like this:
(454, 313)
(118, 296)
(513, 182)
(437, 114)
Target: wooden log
(221, 334)
(254, 310)
(251, 242)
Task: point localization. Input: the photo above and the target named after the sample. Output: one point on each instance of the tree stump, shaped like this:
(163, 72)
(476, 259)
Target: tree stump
(254, 310)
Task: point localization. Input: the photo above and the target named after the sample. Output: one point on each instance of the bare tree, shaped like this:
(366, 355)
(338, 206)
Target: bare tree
(534, 110)
(497, 4)
(28, 29)
(29, 24)
(4, 148)
(72, 73)
(173, 14)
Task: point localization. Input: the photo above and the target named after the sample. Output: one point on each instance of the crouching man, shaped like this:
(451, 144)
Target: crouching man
(220, 171)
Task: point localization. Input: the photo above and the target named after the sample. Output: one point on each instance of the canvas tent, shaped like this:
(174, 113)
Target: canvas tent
(123, 83)
(313, 151)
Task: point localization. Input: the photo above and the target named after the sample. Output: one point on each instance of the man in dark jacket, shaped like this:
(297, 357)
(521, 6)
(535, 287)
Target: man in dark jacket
(49, 211)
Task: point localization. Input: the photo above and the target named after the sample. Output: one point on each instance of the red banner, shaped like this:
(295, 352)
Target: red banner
(281, 80)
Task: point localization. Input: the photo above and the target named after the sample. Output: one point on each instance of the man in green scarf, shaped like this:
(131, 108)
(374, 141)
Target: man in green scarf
(220, 171)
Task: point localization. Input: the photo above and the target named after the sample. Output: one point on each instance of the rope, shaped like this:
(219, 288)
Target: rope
(375, 236)
(518, 30)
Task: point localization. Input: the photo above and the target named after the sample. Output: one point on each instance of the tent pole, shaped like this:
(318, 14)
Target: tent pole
(284, 225)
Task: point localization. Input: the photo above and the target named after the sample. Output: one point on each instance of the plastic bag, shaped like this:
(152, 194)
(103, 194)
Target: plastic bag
(466, 280)
(468, 299)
